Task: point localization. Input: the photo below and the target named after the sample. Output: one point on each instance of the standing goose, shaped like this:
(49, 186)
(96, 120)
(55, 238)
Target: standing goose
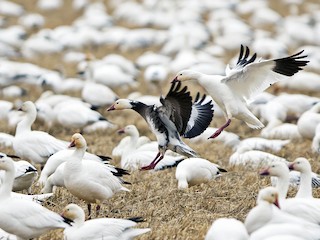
(35, 146)
(308, 179)
(248, 78)
(23, 218)
(177, 116)
(93, 182)
(99, 228)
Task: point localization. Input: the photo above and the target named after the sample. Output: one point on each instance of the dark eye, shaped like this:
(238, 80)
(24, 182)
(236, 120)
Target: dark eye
(180, 74)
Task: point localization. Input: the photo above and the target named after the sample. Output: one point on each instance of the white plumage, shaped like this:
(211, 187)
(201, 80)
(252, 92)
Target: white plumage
(193, 171)
(99, 228)
(35, 146)
(20, 217)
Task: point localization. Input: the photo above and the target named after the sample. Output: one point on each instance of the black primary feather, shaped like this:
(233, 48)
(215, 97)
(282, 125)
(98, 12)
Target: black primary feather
(201, 117)
(67, 221)
(177, 105)
(290, 65)
(120, 172)
(243, 60)
(136, 219)
(104, 158)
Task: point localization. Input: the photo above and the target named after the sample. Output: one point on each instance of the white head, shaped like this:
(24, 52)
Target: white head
(6, 163)
(121, 104)
(28, 106)
(186, 75)
(130, 130)
(270, 195)
(78, 141)
(74, 213)
(301, 165)
(276, 169)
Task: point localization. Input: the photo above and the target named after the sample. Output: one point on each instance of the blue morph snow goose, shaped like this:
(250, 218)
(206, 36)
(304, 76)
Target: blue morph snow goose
(248, 78)
(177, 116)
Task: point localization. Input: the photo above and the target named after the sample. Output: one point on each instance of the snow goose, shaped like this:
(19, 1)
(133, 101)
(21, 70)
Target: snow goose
(253, 158)
(132, 141)
(99, 228)
(62, 156)
(266, 213)
(306, 208)
(177, 116)
(256, 143)
(281, 171)
(20, 217)
(96, 94)
(192, 171)
(56, 179)
(227, 228)
(315, 146)
(248, 78)
(308, 122)
(35, 146)
(74, 114)
(25, 175)
(307, 177)
(94, 183)
(276, 129)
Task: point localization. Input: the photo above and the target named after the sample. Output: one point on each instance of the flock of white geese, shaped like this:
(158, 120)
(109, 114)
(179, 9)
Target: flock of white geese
(191, 49)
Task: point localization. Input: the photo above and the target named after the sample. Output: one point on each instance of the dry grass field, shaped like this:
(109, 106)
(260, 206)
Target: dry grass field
(169, 212)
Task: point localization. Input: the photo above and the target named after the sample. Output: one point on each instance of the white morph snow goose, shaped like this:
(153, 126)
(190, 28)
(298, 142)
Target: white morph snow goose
(99, 228)
(308, 179)
(177, 116)
(133, 140)
(192, 171)
(94, 182)
(25, 175)
(266, 213)
(248, 78)
(306, 208)
(35, 146)
(21, 217)
(227, 228)
(62, 156)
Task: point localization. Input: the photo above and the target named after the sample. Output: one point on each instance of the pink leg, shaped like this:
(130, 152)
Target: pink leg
(154, 162)
(217, 133)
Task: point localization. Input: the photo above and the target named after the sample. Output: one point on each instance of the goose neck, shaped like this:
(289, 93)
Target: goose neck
(305, 188)
(6, 186)
(283, 186)
(25, 124)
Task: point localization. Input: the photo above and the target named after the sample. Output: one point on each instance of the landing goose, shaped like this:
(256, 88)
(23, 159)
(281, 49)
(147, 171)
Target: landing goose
(177, 116)
(248, 78)
(93, 182)
(34, 146)
(21, 217)
(99, 228)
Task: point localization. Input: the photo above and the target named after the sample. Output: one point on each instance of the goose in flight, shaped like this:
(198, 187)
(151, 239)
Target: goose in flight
(177, 116)
(248, 78)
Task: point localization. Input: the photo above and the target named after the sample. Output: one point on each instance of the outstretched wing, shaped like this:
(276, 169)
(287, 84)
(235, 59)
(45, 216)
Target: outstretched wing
(249, 78)
(201, 116)
(177, 106)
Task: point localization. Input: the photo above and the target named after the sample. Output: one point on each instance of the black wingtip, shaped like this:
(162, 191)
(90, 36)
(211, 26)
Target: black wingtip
(289, 66)
(136, 219)
(67, 220)
(222, 169)
(104, 158)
